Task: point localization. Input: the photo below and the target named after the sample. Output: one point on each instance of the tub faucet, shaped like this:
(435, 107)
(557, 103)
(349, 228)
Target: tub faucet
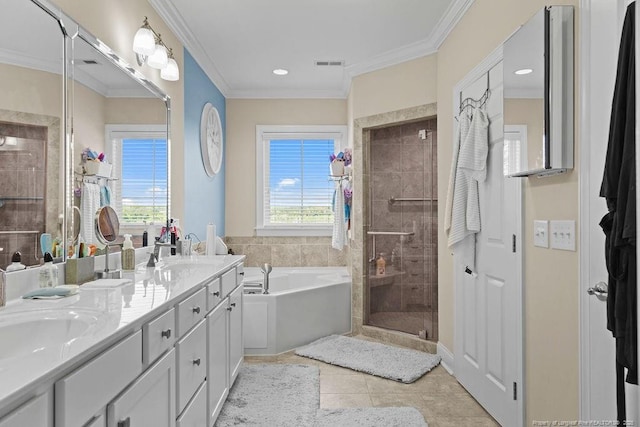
(266, 269)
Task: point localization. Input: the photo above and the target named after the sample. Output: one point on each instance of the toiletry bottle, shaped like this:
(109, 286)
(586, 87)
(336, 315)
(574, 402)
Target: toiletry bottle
(145, 237)
(48, 276)
(128, 254)
(381, 265)
(15, 263)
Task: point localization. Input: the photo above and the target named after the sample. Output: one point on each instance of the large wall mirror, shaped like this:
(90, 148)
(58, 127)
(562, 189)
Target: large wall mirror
(538, 95)
(118, 112)
(32, 97)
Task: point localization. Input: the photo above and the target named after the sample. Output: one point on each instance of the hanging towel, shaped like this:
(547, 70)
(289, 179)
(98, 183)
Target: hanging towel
(461, 130)
(89, 205)
(468, 169)
(105, 195)
(339, 236)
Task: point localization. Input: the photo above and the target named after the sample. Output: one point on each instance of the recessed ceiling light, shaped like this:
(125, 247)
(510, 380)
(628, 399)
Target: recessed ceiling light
(280, 72)
(523, 71)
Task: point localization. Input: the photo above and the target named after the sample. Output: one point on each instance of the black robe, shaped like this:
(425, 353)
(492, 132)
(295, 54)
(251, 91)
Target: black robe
(619, 224)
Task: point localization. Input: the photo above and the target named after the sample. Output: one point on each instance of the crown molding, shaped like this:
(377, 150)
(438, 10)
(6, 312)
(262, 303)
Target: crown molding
(19, 59)
(428, 46)
(176, 23)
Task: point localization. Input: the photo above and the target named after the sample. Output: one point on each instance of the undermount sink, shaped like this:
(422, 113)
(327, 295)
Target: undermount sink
(43, 334)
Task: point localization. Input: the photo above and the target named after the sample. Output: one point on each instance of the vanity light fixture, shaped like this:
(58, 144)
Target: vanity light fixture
(523, 71)
(280, 72)
(150, 49)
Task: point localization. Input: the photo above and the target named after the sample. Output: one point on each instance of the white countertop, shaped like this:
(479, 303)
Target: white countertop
(108, 313)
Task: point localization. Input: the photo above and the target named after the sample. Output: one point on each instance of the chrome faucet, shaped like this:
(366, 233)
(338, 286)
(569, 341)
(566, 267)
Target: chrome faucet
(3, 288)
(266, 269)
(154, 257)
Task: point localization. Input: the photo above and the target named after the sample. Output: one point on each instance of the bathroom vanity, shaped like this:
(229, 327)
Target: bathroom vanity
(162, 349)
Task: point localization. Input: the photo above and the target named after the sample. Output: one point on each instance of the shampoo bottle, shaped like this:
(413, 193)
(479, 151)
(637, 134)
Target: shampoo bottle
(381, 265)
(16, 263)
(128, 254)
(48, 276)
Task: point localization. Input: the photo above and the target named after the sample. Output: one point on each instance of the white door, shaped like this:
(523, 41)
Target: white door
(488, 352)
(601, 22)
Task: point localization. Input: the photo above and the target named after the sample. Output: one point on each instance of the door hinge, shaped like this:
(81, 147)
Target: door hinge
(515, 391)
(513, 243)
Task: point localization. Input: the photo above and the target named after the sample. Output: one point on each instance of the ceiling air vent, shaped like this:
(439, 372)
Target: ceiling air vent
(329, 63)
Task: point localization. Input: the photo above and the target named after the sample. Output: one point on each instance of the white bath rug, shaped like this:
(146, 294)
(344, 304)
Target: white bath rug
(273, 395)
(369, 417)
(398, 364)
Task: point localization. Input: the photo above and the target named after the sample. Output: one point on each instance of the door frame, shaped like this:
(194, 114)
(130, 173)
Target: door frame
(585, 187)
(477, 72)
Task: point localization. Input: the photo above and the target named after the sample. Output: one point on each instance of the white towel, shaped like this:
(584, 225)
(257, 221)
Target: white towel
(89, 205)
(339, 236)
(470, 169)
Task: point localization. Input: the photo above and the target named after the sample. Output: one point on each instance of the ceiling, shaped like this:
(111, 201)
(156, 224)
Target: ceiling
(239, 42)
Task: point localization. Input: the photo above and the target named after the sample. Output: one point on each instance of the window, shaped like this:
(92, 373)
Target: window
(294, 193)
(140, 188)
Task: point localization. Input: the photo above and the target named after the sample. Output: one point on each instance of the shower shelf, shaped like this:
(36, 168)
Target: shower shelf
(29, 199)
(390, 233)
(386, 279)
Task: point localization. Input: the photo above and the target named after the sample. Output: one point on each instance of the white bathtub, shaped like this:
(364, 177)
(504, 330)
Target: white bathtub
(303, 304)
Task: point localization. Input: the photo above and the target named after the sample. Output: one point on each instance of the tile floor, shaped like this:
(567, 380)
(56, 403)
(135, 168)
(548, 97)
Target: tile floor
(437, 395)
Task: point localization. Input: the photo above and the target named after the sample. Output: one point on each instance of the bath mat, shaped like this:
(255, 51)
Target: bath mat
(398, 364)
(368, 417)
(272, 395)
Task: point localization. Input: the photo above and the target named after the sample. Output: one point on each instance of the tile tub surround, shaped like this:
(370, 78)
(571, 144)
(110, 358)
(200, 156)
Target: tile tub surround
(288, 251)
(362, 128)
(115, 321)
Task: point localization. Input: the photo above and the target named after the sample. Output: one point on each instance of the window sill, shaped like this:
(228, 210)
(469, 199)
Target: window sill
(294, 231)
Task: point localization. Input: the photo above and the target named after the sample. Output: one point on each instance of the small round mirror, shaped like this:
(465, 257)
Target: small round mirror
(107, 225)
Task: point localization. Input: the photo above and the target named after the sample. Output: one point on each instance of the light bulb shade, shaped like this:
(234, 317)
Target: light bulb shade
(144, 42)
(159, 58)
(171, 71)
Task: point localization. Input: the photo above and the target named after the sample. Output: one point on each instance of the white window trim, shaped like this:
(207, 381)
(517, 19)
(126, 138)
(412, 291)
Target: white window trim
(119, 131)
(336, 132)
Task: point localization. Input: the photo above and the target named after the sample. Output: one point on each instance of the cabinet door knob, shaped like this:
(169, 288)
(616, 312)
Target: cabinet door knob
(196, 361)
(241, 273)
(166, 334)
(229, 308)
(233, 304)
(196, 310)
(215, 294)
(125, 423)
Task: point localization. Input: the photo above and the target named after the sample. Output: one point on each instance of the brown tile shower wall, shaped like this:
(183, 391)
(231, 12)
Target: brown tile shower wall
(22, 173)
(288, 251)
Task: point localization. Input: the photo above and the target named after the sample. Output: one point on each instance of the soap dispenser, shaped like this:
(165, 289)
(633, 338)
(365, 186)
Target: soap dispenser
(16, 263)
(48, 276)
(128, 254)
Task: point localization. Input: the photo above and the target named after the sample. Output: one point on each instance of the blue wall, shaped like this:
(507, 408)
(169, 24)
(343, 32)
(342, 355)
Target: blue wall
(203, 196)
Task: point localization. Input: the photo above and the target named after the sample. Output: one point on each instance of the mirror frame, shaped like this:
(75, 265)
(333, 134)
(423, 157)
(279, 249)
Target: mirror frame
(106, 52)
(558, 114)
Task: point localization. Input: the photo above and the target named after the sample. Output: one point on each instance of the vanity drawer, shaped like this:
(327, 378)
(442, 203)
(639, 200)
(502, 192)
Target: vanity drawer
(191, 311)
(192, 363)
(158, 336)
(228, 282)
(80, 395)
(195, 414)
(214, 294)
(36, 412)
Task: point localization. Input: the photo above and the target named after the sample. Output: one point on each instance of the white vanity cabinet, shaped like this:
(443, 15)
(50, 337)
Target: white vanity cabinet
(149, 400)
(36, 412)
(218, 360)
(236, 344)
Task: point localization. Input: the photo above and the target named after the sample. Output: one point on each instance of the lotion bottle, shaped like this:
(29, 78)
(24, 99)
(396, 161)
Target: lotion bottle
(128, 254)
(381, 265)
(48, 276)
(16, 263)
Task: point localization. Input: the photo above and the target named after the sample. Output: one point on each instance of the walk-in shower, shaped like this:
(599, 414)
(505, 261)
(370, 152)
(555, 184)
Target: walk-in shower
(403, 218)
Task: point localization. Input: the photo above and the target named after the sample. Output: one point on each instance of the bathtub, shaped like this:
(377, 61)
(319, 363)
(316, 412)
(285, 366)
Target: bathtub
(303, 304)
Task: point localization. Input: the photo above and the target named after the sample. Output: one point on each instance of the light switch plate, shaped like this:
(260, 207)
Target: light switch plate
(541, 234)
(563, 235)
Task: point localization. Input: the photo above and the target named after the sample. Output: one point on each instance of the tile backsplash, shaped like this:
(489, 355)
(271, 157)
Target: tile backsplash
(288, 251)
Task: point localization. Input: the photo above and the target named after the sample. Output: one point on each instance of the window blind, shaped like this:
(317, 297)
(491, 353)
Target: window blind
(141, 192)
(296, 188)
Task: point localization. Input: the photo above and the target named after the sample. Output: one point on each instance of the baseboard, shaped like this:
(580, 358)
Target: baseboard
(447, 358)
